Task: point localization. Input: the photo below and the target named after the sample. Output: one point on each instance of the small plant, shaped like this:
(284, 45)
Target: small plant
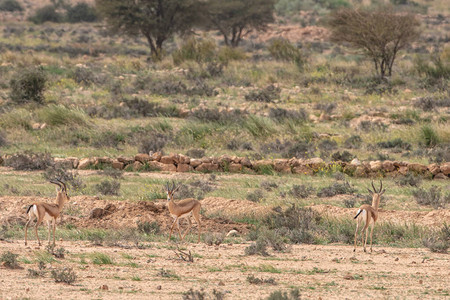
(29, 160)
(108, 187)
(336, 188)
(58, 253)
(28, 85)
(9, 260)
(66, 175)
(282, 49)
(395, 143)
(353, 142)
(429, 136)
(294, 294)
(257, 248)
(148, 228)
(65, 275)
(255, 280)
(431, 197)
(212, 239)
(154, 143)
(202, 295)
(167, 274)
(196, 153)
(10, 5)
(255, 196)
(301, 191)
(196, 50)
(345, 156)
(101, 259)
(349, 203)
(410, 179)
(439, 242)
(268, 185)
(3, 141)
(268, 94)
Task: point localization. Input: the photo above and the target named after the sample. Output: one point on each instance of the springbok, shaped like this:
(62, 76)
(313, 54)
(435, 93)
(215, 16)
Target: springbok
(47, 211)
(182, 209)
(366, 213)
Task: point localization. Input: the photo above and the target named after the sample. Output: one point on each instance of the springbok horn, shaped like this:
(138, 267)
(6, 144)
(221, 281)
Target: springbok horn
(65, 187)
(57, 183)
(374, 189)
(381, 186)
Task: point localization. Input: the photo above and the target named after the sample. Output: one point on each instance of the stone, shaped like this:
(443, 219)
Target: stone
(233, 232)
(403, 170)
(224, 159)
(183, 159)
(282, 166)
(434, 169)
(207, 167)
(234, 168)
(315, 163)
(417, 168)
(184, 168)
(388, 166)
(137, 166)
(156, 156)
(445, 168)
(117, 165)
(440, 176)
(375, 165)
(75, 161)
(85, 163)
(125, 160)
(142, 157)
(63, 162)
(195, 162)
(167, 160)
(206, 160)
(168, 167)
(36, 126)
(302, 169)
(245, 161)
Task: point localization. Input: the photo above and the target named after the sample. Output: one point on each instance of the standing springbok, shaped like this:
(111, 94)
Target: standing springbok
(182, 209)
(367, 213)
(47, 211)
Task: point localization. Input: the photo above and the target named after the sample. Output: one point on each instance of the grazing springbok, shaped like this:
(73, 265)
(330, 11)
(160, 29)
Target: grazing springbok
(182, 209)
(367, 213)
(47, 211)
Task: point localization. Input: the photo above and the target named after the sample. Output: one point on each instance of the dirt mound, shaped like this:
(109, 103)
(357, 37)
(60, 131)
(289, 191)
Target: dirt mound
(434, 218)
(92, 212)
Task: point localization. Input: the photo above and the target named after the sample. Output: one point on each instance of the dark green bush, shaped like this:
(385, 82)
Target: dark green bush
(196, 50)
(433, 197)
(345, 156)
(282, 49)
(81, 12)
(10, 5)
(65, 275)
(28, 160)
(28, 85)
(255, 196)
(429, 136)
(153, 143)
(301, 191)
(108, 187)
(148, 228)
(9, 260)
(44, 14)
(440, 241)
(336, 188)
(267, 94)
(395, 143)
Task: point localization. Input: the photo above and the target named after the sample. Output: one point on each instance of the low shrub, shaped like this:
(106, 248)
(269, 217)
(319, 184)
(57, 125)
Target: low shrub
(29, 160)
(10, 5)
(81, 12)
(65, 274)
(268, 185)
(202, 295)
(148, 228)
(255, 196)
(196, 50)
(294, 294)
(108, 187)
(83, 76)
(432, 197)
(267, 94)
(429, 136)
(153, 143)
(345, 156)
(327, 108)
(196, 153)
(9, 260)
(281, 114)
(439, 241)
(28, 85)
(59, 115)
(44, 14)
(336, 188)
(353, 142)
(301, 191)
(111, 172)
(410, 179)
(108, 139)
(395, 143)
(257, 248)
(3, 141)
(214, 238)
(349, 203)
(68, 176)
(255, 280)
(282, 49)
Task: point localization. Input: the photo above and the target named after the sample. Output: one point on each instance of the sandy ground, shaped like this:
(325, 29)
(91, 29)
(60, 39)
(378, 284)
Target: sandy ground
(320, 272)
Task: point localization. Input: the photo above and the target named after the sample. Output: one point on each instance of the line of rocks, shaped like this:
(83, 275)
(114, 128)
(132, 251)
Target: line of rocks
(182, 163)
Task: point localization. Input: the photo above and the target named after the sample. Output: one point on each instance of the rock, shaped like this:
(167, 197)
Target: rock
(64, 163)
(417, 168)
(207, 167)
(303, 169)
(282, 165)
(104, 287)
(262, 163)
(104, 160)
(375, 165)
(75, 161)
(36, 126)
(159, 287)
(183, 159)
(85, 163)
(445, 168)
(434, 169)
(156, 156)
(184, 168)
(233, 232)
(315, 163)
(361, 171)
(206, 160)
(234, 168)
(388, 166)
(137, 166)
(142, 157)
(168, 167)
(117, 165)
(245, 161)
(403, 170)
(195, 162)
(440, 176)
(167, 160)
(224, 160)
(125, 160)
(98, 212)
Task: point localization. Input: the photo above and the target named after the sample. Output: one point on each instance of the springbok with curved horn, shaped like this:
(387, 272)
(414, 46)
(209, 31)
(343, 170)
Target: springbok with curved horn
(182, 209)
(368, 213)
(47, 211)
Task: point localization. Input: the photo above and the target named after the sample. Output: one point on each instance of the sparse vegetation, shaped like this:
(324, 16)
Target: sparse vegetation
(64, 274)
(28, 85)
(9, 260)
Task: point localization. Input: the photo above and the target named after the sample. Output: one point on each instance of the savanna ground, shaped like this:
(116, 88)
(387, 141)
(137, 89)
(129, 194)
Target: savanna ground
(104, 97)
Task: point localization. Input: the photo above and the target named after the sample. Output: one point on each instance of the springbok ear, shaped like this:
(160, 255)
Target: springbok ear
(176, 189)
(370, 191)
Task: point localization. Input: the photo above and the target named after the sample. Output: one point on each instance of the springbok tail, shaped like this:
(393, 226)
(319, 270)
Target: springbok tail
(358, 213)
(29, 207)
